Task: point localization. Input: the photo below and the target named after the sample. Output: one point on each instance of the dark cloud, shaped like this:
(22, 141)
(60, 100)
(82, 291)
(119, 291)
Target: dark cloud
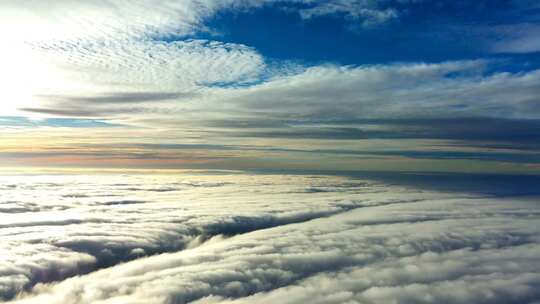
(100, 105)
(498, 185)
(492, 185)
(123, 202)
(74, 112)
(247, 123)
(119, 98)
(487, 129)
(482, 156)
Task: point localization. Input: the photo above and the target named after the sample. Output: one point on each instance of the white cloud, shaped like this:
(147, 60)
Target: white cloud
(324, 92)
(368, 12)
(128, 54)
(82, 48)
(82, 223)
(68, 20)
(394, 245)
(139, 66)
(79, 48)
(393, 91)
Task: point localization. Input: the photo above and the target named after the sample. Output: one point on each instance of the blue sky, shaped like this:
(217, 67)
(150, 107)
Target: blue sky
(431, 31)
(291, 84)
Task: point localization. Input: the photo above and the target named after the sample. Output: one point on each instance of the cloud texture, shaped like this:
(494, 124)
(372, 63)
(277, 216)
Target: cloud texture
(259, 238)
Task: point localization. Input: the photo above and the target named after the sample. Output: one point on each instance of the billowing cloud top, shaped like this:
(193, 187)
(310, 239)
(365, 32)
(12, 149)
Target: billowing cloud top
(221, 237)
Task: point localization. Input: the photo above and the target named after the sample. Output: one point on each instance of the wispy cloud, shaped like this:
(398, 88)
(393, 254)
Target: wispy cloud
(369, 13)
(516, 38)
(123, 97)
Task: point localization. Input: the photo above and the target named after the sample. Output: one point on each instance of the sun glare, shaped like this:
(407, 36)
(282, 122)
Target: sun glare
(20, 76)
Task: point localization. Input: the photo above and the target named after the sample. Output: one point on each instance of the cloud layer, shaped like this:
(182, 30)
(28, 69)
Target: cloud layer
(260, 238)
(56, 227)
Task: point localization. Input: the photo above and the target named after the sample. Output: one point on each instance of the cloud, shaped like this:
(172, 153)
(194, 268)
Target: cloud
(516, 38)
(104, 18)
(473, 129)
(106, 73)
(176, 63)
(409, 90)
(94, 223)
(370, 13)
(460, 88)
(68, 112)
(254, 237)
(391, 244)
(148, 71)
(121, 97)
(139, 71)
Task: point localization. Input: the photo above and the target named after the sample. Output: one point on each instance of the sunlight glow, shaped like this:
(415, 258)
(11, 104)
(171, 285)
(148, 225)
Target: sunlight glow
(17, 77)
(27, 74)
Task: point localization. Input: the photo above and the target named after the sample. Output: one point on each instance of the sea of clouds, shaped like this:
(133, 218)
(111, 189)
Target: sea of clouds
(230, 237)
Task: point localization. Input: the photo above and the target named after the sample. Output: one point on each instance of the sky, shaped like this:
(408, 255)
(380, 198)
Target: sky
(263, 151)
(373, 85)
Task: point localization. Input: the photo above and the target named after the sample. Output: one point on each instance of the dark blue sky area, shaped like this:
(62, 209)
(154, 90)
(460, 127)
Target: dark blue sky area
(429, 31)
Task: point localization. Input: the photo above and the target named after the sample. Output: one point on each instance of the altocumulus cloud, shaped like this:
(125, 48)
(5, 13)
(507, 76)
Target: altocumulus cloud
(107, 37)
(264, 238)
